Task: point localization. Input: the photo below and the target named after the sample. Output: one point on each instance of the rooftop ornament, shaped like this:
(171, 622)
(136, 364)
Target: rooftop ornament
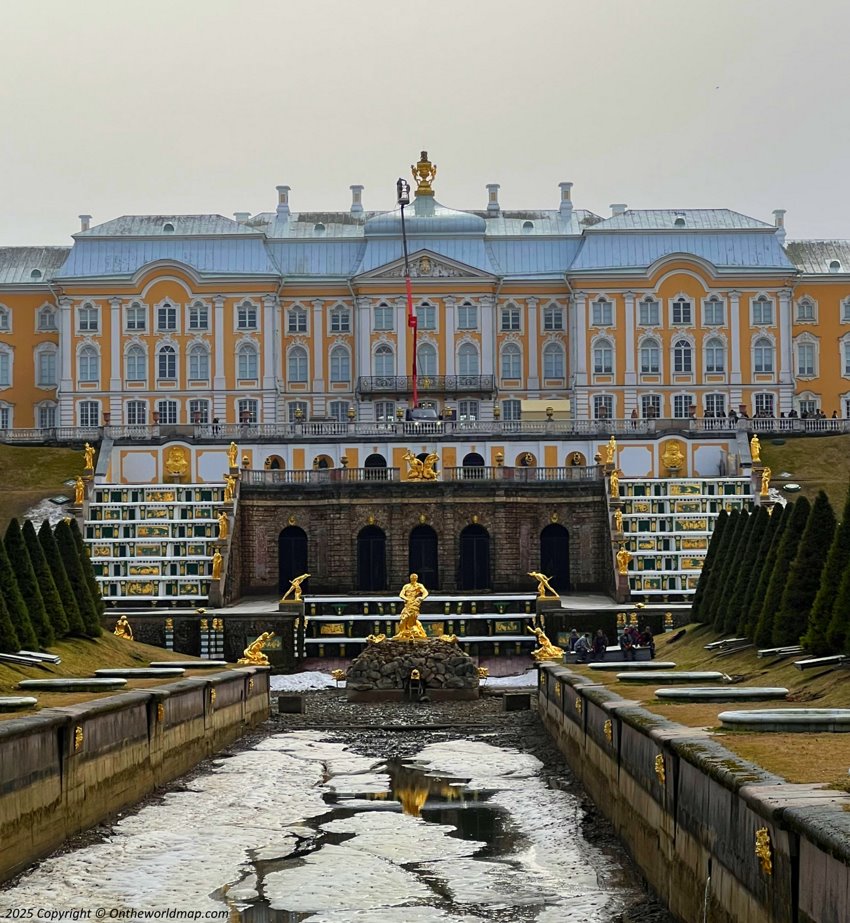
(424, 172)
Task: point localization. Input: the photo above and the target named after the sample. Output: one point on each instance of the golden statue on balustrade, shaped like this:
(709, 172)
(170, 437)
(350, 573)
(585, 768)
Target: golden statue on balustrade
(624, 556)
(545, 590)
(410, 628)
(765, 482)
(232, 454)
(424, 172)
(615, 482)
(755, 448)
(222, 525)
(547, 650)
(123, 629)
(253, 655)
(419, 470)
(295, 588)
(618, 520)
(611, 451)
(229, 487)
(79, 491)
(217, 564)
(88, 457)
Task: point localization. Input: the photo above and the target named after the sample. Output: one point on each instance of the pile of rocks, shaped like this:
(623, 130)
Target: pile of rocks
(383, 668)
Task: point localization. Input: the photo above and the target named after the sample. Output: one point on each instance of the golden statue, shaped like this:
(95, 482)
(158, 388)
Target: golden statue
(253, 654)
(229, 487)
(217, 563)
(547, 650)
(123, 629)
(755, 448)
(177, 461)
(545, 590)
(424, 173)
(611, 451)
(232, 454)
(623, 558)
(295, 587)
(673, 457)
(418, 470)
(79, 491)
(88, 456)
(618, 520)
(409, 627)
(375, 639)
(615, 482)
(222, 525)
(765, 481)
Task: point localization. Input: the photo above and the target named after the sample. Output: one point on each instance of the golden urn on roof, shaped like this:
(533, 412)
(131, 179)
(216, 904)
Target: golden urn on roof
(424, 172)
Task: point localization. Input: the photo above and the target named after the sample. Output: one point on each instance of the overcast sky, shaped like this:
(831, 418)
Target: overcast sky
(189, 106)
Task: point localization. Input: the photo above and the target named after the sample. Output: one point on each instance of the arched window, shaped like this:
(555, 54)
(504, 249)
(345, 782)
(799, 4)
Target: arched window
(166, 363)
(340, 364)
(297, 365)
(648, 314)
(553, 361)
(511, 361)
(806, 310)
(682, 312)
(383, 317)
(297, 322)
(246, 360)
(650, 357)
(763, 356)
(47, 319)
(426, 359)
(603, 357)
(89, 364)
(712, 312)
(467, 360)
(136, 363)
(602, 313)
(715, 357)
(683, 357)
(46, 365)
(384, 360)
(762, 311)
(199, 363)
(340, 319)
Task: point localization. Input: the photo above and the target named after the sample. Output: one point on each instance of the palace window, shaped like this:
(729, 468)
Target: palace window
(167, 411)
(511, 361)
(199, 317)
(46, 416)
(467, 317)
(340, 365)
(808, 406)
(715, 357)
(715, 405)
(764, 405)
(649, 313)
(384, 360)
(683, 357)
(89, 364)
(5, 416)
(553, 317)
(553, 361)
(467, 410)
(89, 413)
(603, 406)
(248, 410)
(712, 312)
(510, 318)
(683, 312)
(602, 313)
(467, 360)
(5, 368)
(603, 358)
(762, 311)
(297, 365)
(684, 405)
(88, 319)
(5, 319)
(650, 406)
(45, 373)
(805, 310)
(650, 357)
(763, 356)
(511, 410)
(383, 317)
(199, 411)
(136, 364)
(846, 352)
(426, 359)
(426, 316)
(166, 318)
(199, 363)
(137, 413)
(137, 317)
(247, 362)
(297, 320)
(166, 363)
(385, 411)
(293, 408)
(246, 316)
(806, 360)
(47, 320)
(845, 311)
(338, 410)
(340, 320)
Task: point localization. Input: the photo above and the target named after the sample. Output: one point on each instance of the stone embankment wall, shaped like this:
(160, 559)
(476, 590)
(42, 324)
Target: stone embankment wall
(708, 829)
(65, 769)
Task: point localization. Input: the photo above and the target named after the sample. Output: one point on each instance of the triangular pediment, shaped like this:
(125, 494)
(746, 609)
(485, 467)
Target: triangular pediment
(425, 264)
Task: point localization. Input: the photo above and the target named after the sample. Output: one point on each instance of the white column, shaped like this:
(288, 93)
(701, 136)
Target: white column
(362, 338)
(533, 339)
(631, 351)
(115, 370)
(487, 315)
(317, 332)
(219, 374)
(267, 334)
(449, 335)
(786, 363)
(578, 335)
(64, 393)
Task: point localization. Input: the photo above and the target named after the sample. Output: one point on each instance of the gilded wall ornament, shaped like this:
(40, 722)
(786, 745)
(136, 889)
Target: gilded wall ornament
(659, 769)
(764, 850)
(78, 738)
(608, 731)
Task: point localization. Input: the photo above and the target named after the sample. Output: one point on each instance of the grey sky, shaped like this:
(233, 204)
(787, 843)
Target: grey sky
(169, 106)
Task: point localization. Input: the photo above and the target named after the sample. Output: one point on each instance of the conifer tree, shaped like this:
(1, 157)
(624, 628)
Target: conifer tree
(74, 569)
(714, 588)
(24, 572)
(758, 522)
(47, 540)
(838, 633)
(9, 642)
(715, 541)
(816, 638)
(746, 625)
(757, 603)
(15, 603)
(785, 554)
(730, 569)
(803, 581)
(88, 570)
(52, 600)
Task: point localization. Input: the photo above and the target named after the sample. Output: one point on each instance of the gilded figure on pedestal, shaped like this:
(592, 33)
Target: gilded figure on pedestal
(623, 558)
(217, 564)
(123, 629)
(295, 588)
(545, 590)
(222, 525)
(232, 454)
(765, 482)
(253, 654)
(88, 457)
(611, 451)
(409, 627)
(79, 491)
(547, 650)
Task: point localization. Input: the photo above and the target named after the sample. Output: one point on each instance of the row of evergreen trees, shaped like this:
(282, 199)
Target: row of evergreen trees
(780, 579)
(47, 587)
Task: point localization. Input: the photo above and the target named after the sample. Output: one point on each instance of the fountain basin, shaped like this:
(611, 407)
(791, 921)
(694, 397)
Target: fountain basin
(634, 665)
(74, 684)
(683, 677)
(16, 702)
(720, 693)
(140, 672)
(789, 720)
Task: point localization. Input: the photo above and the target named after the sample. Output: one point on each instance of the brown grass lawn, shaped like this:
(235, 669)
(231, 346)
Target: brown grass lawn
(29, 474)
(814, 462)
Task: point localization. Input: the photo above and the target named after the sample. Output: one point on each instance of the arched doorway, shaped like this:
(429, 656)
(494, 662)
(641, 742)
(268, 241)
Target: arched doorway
(376, 468)
(473, 466)
(371, 559)
(422, 556)
(474, 569)
(555, 556)
(291, 557)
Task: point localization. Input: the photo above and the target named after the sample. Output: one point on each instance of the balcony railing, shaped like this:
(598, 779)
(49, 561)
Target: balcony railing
(427, 384)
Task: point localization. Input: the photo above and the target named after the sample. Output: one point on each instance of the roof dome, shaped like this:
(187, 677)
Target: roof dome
(426, 216)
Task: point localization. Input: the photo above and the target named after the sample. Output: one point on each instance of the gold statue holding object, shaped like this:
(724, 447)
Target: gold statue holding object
(79, 491)
(755, 448)
(424, 172)
(765, 481)
(615, 482)
(217, 564)
(611, 451)
(410, 628)
(123, 629)
(88, 456)
(232, 454)
(295, 587)
(623, 558)
(419, 470)
(618, 520)
(547, 650)
(222, 525)
(229, 487)
(253, 654)
(545, 590)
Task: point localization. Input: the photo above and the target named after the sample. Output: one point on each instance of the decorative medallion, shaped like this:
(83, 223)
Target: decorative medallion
(764, 850)
(422, 518)
(659, 769)
(370, 520)
(78, 738)
(160, 711)
(608, 731)
(292, 520)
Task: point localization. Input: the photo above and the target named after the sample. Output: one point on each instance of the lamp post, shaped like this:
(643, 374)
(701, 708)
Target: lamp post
(403, 198)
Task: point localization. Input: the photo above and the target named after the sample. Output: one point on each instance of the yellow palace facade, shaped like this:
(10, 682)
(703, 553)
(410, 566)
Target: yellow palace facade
(201, 323)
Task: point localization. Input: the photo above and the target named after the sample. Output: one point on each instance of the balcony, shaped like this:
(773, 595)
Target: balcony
(427, 384)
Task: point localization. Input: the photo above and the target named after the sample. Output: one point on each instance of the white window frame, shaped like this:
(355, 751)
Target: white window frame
(809, 316)
(650, 343)
(651, 406)
(383, 317)
(427, 359)
(339, 319)
(247, 317)
(606, 366)
(297, 320)
(137, 309)
(678, 346)
(134, 348)
(649, 312)
(298, 354)
(50, 408)
(553, 317)
(681, 405)
(136, 412)
(801, 346)
(7, 366)
(713, 305)
(197, 311)
(467, 316)
(713, 343)
(768, 401)
(511, 409)
(42, 351)
(339, 365)
(685, 308)
(249, 406)
(89, 312)
(426, 316)
(168, 410)
(90, 352)
(515, 352)
(247, 354)
(84, 411)
(609, 402)
(715, 398)
(166, 310)
(198, 352)
(762, 339)
(468, 359)
(44, 312)
(510, 318)
(164, 350)
(338, 410)
(762, 302)
(602, 312)
(554, 352)
(200, 407)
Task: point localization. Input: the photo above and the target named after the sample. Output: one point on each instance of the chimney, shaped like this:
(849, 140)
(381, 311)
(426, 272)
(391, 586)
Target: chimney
(779, 224)
(283, 201)
(493, 207)
(618, 208)
(241, 217)
(356, 200)
(566, 207)
(85, 222)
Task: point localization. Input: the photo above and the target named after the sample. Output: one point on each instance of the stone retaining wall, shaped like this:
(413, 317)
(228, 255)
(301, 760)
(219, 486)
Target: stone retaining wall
(54, 783)
(690, 811)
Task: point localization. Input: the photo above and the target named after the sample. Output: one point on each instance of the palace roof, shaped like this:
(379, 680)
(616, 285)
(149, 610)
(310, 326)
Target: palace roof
(30, 265)
(667, 219)
(820, 256)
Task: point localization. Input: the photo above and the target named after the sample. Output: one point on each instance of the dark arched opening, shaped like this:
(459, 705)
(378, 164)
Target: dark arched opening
(371, 559)
(555, 556)
(422, 556)
(376, 466)
(474, 569)
(291, 557)
(473, 466)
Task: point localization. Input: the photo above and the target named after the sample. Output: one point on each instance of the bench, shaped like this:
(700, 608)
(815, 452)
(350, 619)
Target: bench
(46, 658)
(780, 651)
(18, 658)
(813, 663)
(726, 643)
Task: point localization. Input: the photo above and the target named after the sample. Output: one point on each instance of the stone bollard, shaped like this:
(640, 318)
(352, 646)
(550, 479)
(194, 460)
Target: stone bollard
(290, 704)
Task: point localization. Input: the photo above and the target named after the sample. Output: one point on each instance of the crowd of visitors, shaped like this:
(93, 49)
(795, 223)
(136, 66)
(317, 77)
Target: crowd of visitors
(589, 649)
